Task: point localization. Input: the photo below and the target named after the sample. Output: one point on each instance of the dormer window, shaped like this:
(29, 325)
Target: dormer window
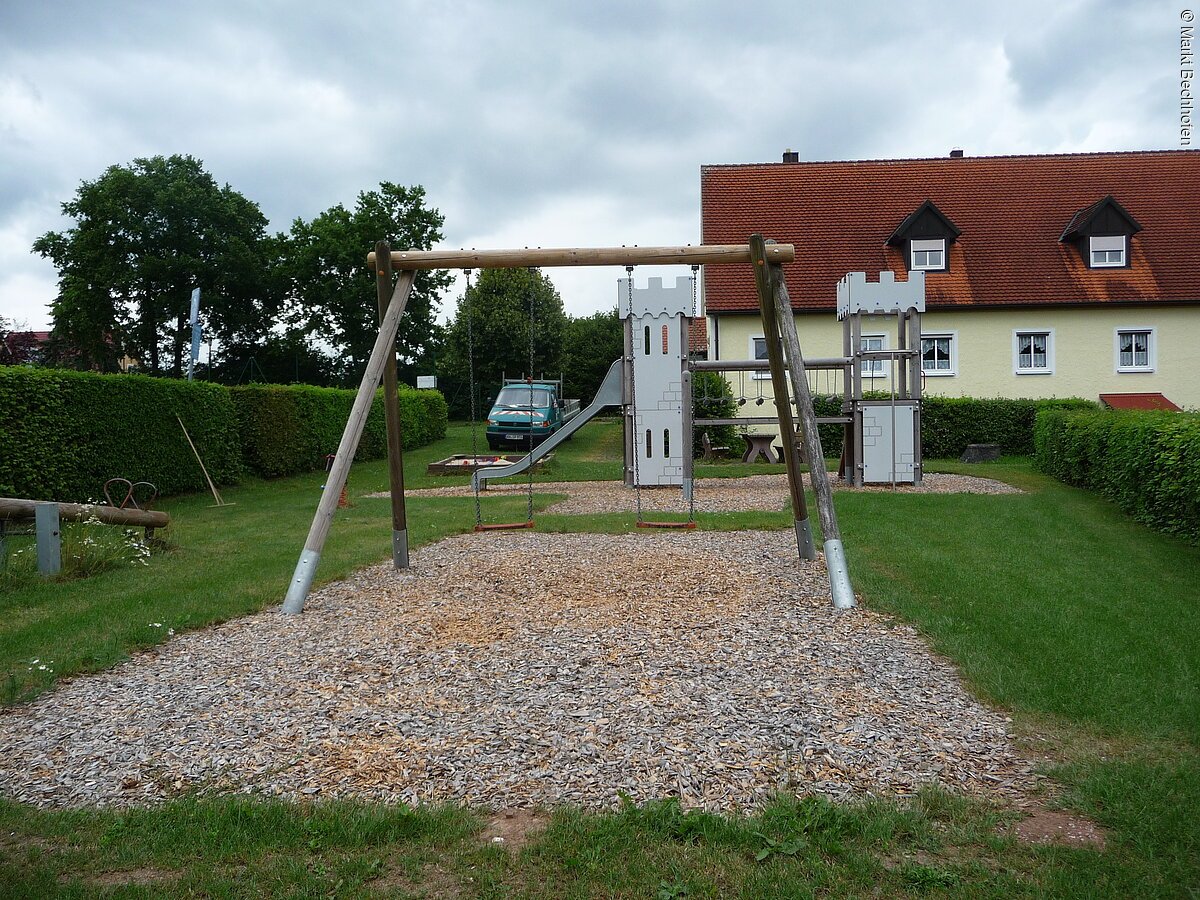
(1107, 250)
(1101, 232)
(927, 255)
(924, 237)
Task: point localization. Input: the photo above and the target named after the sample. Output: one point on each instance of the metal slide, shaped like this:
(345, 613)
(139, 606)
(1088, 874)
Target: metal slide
(610, 394)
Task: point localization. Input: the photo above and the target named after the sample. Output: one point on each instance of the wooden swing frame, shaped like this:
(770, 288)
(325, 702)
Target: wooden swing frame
(765, 260)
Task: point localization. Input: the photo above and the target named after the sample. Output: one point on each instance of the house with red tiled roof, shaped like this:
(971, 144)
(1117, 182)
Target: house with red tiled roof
(1046, 276)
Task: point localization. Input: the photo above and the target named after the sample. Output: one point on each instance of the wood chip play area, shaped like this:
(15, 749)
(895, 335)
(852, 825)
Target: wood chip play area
(522, 669)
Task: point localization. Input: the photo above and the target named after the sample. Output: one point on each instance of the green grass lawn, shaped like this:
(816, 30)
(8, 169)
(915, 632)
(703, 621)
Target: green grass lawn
(1052, 604)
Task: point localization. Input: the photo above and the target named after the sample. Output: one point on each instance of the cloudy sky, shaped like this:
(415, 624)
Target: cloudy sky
(547, 124)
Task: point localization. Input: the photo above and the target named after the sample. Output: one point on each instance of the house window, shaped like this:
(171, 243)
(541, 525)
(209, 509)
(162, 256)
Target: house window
(1135, 349)
(1033, 352)
(937, 354)
(1107, 252)
(928, 255)
(758, 350)
(873, 368)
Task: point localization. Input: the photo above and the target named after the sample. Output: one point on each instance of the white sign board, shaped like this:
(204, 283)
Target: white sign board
(426, 381)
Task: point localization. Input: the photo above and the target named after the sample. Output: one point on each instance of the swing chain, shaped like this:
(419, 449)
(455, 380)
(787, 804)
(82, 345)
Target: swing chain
(633, 425)
(529, 469)
(471, 387)
(688, 448)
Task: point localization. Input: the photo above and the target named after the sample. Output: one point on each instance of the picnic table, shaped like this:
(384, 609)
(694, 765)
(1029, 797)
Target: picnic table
(759, 445)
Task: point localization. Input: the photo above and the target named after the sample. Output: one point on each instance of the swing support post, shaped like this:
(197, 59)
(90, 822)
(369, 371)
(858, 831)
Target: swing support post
(391, 409)
(787, 428)
(306, 567)
(835, 554)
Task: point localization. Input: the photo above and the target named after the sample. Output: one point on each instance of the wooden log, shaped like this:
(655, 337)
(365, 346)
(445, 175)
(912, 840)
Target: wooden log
(310, 557)
(25, 510)
(704, 254)
(783, 408)
(835, 555)
(391, 409)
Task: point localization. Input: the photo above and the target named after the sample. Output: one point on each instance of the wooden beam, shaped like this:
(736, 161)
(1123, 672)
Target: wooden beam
(15, 509)
(310, 557)
(704, 254)
(391, 410)
(783, 408)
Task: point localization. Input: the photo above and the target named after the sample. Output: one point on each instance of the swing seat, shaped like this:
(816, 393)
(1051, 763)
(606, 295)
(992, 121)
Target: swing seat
(503, 526)
(688, 525)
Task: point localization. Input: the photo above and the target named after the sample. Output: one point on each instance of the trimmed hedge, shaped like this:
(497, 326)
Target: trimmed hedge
(1148, 463)
(63, 433)
(286, 430)
(949, 424)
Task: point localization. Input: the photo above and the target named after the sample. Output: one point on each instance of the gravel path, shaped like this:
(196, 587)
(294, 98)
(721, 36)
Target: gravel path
(522, 668)
(758, 492)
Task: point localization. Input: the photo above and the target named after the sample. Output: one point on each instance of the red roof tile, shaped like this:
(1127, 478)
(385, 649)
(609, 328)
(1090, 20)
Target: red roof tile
(1011, 209)
(1138, 401)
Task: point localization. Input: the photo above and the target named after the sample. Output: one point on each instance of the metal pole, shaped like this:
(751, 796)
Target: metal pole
(787, 430)
(306, 567)
(835, 554)
(391, 410)
(195, 350)
(49, 538)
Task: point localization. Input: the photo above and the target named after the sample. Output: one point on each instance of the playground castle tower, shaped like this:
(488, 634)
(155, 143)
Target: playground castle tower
(657, 382)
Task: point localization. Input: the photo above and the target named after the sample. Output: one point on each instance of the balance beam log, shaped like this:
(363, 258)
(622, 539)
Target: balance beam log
(26, 510)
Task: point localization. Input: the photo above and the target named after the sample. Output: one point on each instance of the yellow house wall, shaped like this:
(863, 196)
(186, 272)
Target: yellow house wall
(1084, 350)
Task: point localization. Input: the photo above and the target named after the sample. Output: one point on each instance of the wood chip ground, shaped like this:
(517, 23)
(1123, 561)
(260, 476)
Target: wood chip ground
(523, 669)
(754, 492)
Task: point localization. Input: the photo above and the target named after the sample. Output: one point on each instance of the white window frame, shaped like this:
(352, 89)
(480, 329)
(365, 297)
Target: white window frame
(926, 246)
(1151, 348)
(874, 368)
(952, 336)
(1017, 334)
(1108, 244)
(754, 338)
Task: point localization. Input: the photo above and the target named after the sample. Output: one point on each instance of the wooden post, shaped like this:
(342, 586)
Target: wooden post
(391, 408)
(835, 554)
(306, 567)
(787, 429)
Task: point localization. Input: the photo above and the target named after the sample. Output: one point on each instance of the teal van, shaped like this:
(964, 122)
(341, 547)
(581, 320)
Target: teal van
(526, 412)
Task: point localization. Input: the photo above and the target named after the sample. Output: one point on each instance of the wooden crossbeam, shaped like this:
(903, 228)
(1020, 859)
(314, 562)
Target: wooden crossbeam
(704, 254)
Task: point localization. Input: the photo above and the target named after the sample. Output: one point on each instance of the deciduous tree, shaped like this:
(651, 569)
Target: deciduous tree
(333, 291)
(498, 310)
(145, 235)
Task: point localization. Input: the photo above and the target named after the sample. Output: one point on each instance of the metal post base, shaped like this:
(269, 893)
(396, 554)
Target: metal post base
(839, 576)
(49, 538)
(804, 540)
(400, 549)
(306, 570)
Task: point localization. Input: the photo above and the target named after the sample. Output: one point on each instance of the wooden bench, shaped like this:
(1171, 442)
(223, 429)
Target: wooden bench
(711, 452)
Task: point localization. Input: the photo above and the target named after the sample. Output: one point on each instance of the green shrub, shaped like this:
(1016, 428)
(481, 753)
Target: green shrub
(949, 424)
(63, 433)
(712, 398)
(289, 429)
(1147, 462)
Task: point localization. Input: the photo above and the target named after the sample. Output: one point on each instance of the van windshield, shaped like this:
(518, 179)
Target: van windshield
(516, 396)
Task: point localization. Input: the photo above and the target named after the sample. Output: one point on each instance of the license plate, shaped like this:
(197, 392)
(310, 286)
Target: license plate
(514, 437)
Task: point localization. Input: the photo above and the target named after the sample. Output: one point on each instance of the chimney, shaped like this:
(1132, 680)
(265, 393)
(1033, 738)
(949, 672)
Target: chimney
(791, 156)
(956, 153)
